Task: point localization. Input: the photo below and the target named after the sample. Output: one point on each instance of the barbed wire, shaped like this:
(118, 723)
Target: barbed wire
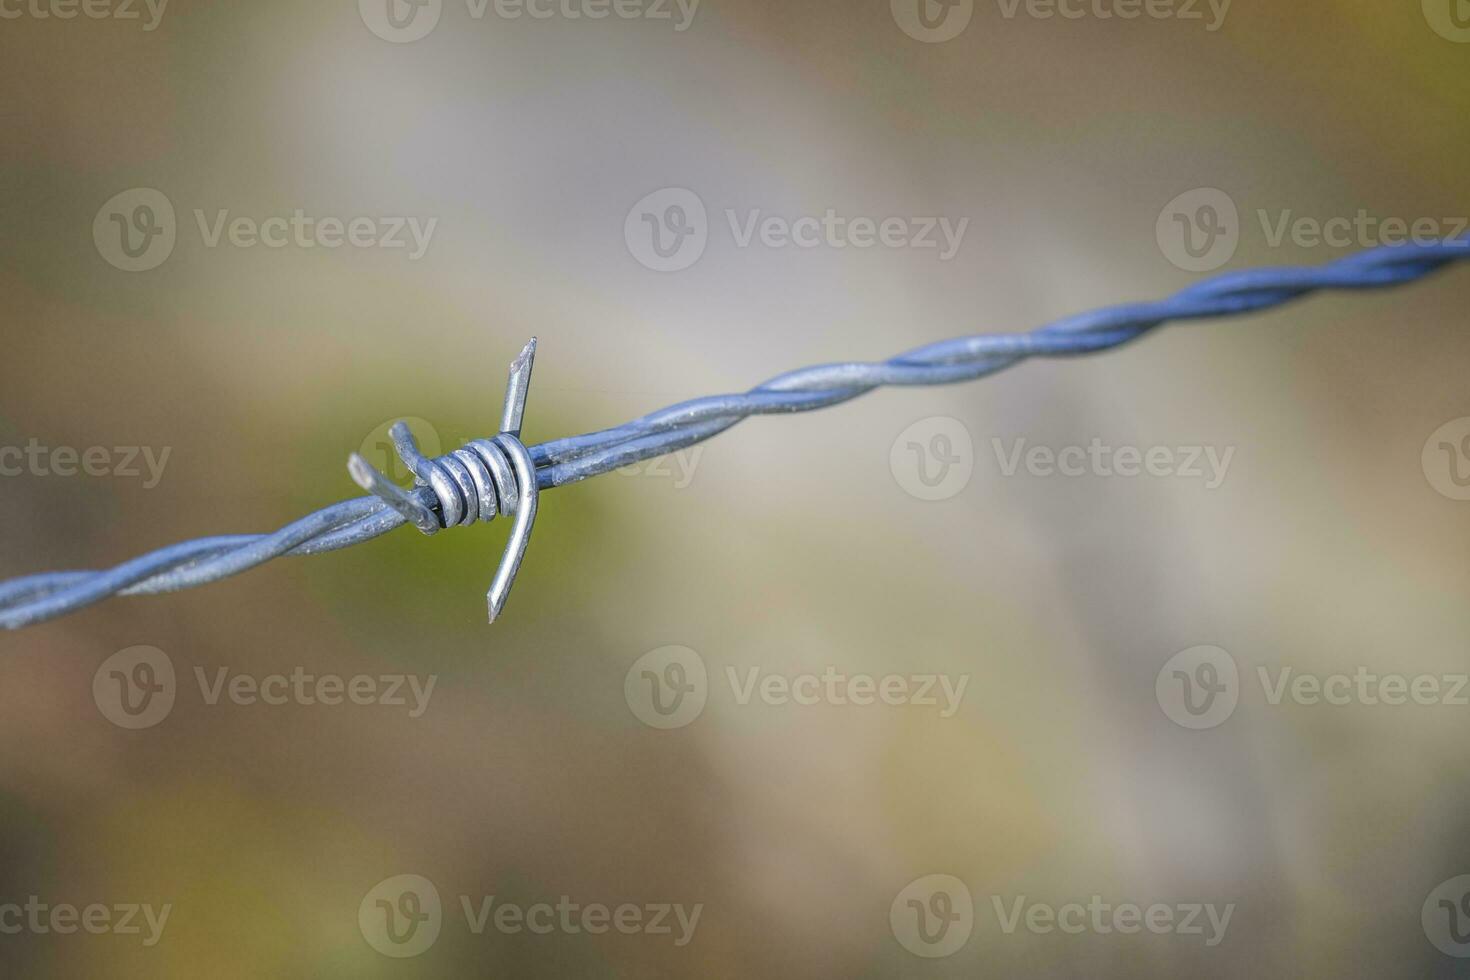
(453, 492)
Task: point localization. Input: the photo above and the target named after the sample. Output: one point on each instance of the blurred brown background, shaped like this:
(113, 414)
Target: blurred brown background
(792, 546)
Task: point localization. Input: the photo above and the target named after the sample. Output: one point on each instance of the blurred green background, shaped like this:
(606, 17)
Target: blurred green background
(793, 547)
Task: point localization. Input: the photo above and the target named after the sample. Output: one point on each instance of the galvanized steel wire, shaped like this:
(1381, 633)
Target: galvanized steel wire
(35, 598)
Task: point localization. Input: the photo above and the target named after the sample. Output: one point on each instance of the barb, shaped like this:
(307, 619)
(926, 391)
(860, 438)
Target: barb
(503, 476)
(473, 483)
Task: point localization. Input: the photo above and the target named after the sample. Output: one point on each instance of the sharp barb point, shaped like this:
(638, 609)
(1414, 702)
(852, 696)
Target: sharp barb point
(516, 388)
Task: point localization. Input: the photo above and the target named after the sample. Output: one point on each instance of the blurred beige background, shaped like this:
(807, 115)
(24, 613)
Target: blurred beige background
(791, 546)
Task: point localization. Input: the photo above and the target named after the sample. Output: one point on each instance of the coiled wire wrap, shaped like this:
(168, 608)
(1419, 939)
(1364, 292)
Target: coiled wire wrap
(473, 483)
(35, 598)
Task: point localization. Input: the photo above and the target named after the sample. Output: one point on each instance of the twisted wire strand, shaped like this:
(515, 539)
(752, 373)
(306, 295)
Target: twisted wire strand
(35, 598)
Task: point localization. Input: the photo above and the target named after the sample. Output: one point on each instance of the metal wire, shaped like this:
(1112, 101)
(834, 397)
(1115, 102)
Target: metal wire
(486, 477)
(35, 598)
